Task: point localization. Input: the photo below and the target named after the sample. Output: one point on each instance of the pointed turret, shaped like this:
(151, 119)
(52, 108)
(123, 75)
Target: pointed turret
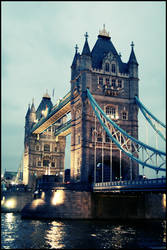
(74, 63)
(132, 58)
(86, 49)
(32, 113)
(133, 64)
(86, 61)
(28, 111)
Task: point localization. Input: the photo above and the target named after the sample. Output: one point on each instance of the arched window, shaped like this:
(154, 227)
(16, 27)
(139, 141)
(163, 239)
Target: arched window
(47, 148)
(107, 67)
(113, 68)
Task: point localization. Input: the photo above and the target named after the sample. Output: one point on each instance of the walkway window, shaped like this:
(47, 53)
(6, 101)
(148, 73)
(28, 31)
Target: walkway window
(113, 68)
(47, 148)
(107, 67)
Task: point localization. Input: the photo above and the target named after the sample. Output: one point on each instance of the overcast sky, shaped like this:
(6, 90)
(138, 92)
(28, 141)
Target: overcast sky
(38, 40)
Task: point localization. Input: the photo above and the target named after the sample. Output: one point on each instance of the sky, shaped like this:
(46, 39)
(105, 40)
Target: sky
(38, 40)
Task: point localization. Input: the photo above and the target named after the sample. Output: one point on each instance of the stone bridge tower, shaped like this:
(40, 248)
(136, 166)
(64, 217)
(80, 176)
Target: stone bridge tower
(114, 85)
(44, 154)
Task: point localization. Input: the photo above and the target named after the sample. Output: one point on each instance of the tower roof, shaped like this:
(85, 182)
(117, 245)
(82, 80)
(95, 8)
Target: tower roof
(86, 49)
(28, 111)
(75, 56)
(32, 110)
(44, 104)
(101, 48)
(132, 58)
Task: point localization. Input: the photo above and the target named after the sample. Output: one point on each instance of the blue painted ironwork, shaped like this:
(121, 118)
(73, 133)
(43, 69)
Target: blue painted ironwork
(104, 121)
(148, 114)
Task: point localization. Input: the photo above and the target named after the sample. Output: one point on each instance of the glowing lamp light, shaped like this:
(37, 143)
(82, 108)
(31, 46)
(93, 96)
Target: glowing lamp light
(58, 197)
(10, 203)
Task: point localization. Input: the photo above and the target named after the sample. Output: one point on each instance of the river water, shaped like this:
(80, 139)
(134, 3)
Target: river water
(18, 233)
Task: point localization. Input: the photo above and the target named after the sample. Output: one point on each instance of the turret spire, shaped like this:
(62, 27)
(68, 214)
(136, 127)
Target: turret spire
(132, 58)
(86, 49)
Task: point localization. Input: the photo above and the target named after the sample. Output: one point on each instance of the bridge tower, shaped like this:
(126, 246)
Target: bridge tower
(114, 85)
(43, 153)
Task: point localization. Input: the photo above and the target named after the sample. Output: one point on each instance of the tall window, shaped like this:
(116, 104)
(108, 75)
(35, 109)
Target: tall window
(107, 67)
(101, 80)
(47, 148)
(119, 83)
(39, 163)
(111, 111)
(113, 68)
(113, 83)
(107, 81)
(124, 116)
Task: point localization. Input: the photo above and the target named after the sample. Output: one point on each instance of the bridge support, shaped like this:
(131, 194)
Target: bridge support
(73, 204)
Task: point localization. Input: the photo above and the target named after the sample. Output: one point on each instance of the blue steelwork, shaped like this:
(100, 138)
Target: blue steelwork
(146, 112)
(94, 106)
(158, 184)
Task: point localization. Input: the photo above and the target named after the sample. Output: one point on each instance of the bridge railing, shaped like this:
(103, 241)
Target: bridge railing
(133, 182)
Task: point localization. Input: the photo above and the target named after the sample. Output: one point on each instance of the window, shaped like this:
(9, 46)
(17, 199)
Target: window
(53, 164)
(119, 83)
(107, 81)
(55, 149)
(100, 80)
(37, 148)
(47, 148)
(39, 163)
(107, 138)
(111, 111)
(113, 83)
(49, 129)
(124, 116)
(46, 163)
(78, 139)
(107, 67)
(113, 68)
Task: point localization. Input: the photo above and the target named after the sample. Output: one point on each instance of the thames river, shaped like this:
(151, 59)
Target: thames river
(18, 233)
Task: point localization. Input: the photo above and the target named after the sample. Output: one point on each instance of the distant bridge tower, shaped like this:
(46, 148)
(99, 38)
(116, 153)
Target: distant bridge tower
(43, 153)
(114, 85)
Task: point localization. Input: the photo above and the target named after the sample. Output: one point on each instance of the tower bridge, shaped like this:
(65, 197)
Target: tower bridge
(103, 104)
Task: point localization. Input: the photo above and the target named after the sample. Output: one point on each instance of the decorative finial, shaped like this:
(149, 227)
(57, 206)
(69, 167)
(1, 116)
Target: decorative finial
(103, 32)
(76, 48)
(33, 100)
(86, 35)
(132, 45)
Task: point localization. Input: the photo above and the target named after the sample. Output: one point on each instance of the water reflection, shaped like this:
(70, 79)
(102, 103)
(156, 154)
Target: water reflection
(55, 235)
(17, 233)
